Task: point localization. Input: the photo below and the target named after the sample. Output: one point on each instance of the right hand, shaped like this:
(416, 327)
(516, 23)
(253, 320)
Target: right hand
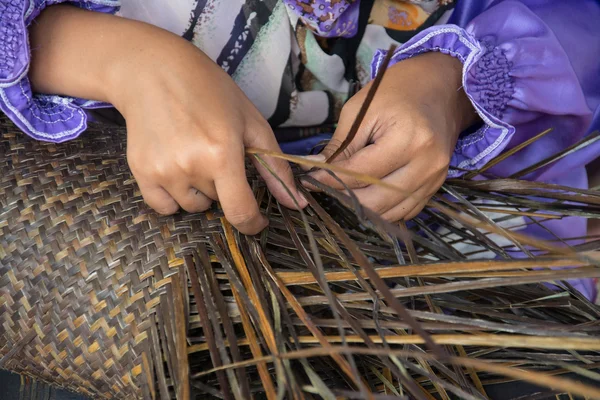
(188, 123)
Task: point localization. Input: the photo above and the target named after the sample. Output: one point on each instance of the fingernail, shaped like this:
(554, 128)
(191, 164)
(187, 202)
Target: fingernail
(316, 157)
(310, 187)
(303, 201)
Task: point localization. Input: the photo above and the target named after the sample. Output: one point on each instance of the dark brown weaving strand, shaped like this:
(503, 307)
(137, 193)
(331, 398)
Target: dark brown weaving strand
(100, 295)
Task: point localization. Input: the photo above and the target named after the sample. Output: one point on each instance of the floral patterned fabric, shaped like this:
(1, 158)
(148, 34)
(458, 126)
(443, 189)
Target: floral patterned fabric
(302, 81)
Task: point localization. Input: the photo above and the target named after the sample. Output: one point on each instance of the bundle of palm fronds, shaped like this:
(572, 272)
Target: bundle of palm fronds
(102, 296)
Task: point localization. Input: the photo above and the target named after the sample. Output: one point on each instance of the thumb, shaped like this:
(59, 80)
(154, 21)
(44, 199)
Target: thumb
(343, 129)
(277, 174)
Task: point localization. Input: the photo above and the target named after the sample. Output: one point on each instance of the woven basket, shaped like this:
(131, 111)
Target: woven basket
(100, 295)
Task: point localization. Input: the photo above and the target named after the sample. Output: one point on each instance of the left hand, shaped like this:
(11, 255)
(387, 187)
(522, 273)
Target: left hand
(407, 136)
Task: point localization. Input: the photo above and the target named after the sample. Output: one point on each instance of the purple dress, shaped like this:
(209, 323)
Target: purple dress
(528, 65)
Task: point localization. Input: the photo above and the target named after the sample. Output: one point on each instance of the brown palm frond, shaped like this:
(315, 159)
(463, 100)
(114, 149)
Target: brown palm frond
(362, 112)
(102, 296)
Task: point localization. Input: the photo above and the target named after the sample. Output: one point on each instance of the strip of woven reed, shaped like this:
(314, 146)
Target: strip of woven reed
(100, 295)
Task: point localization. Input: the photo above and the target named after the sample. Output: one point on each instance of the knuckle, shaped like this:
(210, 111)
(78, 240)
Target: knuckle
(355, 183)
(195, 208)
(199, 205)
(205, 204)
(392, 217)
(444, 159)
(415, 213)
(216, 152)
(377, 207)
(187, 162)
(441, 164)
(411, 215)
(204, 208)
(142, 164)
(282, 168)
(135, 162)
(348, 151)
(426, 139)
(334, 143)
(418, 209)
(194, 201)
(166, 208)
(157, 170)
(351, 106)
(241, 219)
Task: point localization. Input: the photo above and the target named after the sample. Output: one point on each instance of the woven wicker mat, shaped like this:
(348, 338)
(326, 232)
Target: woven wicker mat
(84, 266)
(100, 295)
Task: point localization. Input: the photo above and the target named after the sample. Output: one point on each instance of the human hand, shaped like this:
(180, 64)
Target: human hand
(188, 125)
(407, 136)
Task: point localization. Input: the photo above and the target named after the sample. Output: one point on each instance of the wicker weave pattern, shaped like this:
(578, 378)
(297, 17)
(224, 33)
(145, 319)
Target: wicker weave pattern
(82, 271)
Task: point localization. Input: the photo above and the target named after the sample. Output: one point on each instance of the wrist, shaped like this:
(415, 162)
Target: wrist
(449, 69)
(91, 55)
(67, 56)
(156, 65)
(135, 65)
(153, 63)
(438, 87)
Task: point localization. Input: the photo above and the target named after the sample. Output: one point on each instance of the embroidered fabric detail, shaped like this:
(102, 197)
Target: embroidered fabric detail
(328, 18)
(12, 40)
(492, 86)
(488, 94)
(48, 118)
(339, 18)
(471, 139)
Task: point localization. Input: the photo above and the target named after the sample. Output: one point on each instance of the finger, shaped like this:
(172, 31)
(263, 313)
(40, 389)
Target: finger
(192, 200)
(237, 199)
(417, 209)
(190, 184)
(157, 198)
(406, 210)
(345, 122)
(263, 138)
(413, 205)
(375, 160)
(313, 157)
(206, 188)
(380, 199)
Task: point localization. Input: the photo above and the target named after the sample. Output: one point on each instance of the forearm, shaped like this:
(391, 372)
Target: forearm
(91, 55)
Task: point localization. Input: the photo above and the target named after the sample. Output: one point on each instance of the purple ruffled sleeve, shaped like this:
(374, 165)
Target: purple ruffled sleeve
(48, 118)
(519, 78)
(528, 66)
